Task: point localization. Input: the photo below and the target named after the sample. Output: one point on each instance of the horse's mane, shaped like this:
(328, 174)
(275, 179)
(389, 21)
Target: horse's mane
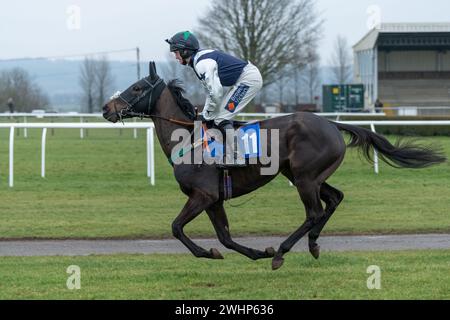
(175, 87)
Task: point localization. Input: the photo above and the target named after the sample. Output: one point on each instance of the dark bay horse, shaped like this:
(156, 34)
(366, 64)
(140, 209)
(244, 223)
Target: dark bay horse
(311, 149)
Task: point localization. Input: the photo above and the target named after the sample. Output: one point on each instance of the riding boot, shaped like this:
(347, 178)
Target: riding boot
(231, 155)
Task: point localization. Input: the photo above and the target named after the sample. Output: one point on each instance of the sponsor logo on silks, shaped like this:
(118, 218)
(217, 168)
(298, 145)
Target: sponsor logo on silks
(236, 98)
(231, 107)
(249, 140)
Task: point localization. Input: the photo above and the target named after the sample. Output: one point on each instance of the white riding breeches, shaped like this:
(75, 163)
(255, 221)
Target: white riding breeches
(239, 95)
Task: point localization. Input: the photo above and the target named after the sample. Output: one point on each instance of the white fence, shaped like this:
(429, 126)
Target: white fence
(335, 115)
(44, 126)
(150, 137)
(81, 116)
(22, 116)
(245, 115)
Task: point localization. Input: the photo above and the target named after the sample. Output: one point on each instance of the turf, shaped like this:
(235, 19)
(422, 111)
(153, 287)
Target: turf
(97, 188)
(404, 275)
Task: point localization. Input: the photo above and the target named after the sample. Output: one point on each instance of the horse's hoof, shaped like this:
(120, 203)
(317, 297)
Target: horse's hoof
(270, 252)
(277, 263)
(315, 251)
(216, 254)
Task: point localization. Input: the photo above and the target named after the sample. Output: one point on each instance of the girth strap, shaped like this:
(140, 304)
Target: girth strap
(227, 185)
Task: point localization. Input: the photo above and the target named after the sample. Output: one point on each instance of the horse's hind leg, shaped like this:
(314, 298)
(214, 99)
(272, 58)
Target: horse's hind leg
(332, 197)
(219, 220)
(309, 192)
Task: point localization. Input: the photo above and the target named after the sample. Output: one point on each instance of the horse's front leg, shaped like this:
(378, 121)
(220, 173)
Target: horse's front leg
(219, 220)
(195, 205)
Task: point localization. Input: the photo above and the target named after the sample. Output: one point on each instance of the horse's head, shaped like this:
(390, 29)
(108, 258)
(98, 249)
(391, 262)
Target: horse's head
(137, 101)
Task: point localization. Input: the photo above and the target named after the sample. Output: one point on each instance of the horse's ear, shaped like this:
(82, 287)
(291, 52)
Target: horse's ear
(152, 70)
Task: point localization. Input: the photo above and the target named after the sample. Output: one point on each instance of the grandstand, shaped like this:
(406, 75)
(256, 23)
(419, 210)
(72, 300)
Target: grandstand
(405, 65)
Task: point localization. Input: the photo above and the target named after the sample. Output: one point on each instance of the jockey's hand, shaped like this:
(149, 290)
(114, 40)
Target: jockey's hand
(209, 123)
(201, 118)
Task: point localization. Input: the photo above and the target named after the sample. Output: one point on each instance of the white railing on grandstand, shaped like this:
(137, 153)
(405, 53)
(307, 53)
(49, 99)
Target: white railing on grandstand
(44, 126)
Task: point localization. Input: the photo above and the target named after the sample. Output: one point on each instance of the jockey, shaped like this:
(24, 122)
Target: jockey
(231, 83)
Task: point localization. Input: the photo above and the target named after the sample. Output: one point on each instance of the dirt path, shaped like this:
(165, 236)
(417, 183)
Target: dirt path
(332, 243)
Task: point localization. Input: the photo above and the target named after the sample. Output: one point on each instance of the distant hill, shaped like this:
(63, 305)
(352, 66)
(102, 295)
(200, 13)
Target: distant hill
(59, 79)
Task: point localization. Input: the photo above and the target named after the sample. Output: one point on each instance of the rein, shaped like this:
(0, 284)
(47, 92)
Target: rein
(142, 115)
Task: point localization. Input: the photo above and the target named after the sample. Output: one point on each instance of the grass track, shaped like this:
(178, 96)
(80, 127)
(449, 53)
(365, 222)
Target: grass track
(404, 275)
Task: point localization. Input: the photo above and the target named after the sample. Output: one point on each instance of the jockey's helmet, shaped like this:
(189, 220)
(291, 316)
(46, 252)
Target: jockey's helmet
(185, 42)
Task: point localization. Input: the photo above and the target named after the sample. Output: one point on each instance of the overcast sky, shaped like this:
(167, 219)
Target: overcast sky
(50, 28)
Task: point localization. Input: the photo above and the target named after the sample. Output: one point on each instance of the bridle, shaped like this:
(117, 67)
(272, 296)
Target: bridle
(130, 112)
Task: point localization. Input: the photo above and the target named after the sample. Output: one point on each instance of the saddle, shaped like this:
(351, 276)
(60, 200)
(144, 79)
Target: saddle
(248, 139)
(226, 172)
(248, 133)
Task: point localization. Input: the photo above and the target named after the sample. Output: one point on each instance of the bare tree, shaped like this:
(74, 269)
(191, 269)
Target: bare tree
(96, 81)
(104, 81)
(281, 85)
(341, 61)
(16, 85)
(297, 85)
(270, 34)
(87, 83)
(311, 79)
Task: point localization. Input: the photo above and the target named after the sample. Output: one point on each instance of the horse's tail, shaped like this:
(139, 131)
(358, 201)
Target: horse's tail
(405, 154)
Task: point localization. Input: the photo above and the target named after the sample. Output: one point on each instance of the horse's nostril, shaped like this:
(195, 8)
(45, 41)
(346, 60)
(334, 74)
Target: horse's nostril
(105, 108)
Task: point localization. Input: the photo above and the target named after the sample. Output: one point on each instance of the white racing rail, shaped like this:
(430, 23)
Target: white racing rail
(44, 126)
(82, 117)
(336, 115)
(85, 116)
(150, 137)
